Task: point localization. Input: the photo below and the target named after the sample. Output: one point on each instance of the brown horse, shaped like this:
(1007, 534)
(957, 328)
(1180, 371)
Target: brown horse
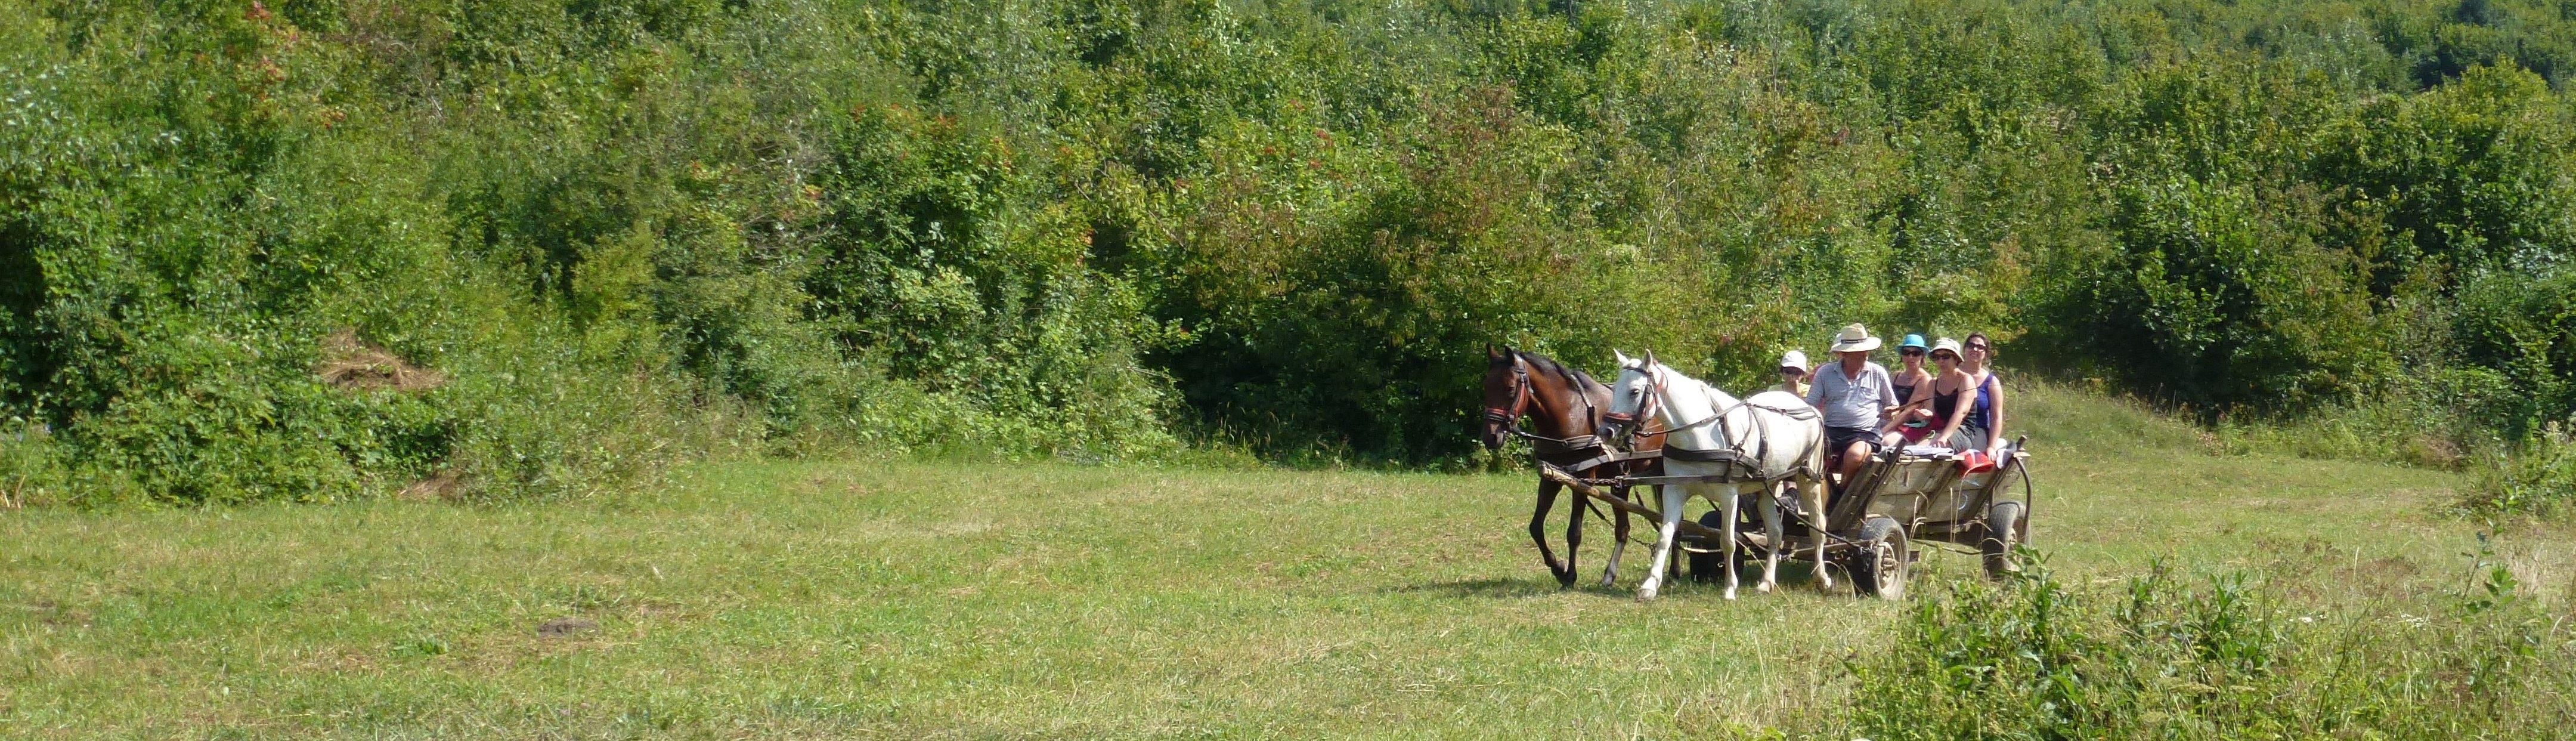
(1564, 407)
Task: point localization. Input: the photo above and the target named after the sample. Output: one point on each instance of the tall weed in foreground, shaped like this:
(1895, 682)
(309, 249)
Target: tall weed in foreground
(29, 465)
(2223, 655)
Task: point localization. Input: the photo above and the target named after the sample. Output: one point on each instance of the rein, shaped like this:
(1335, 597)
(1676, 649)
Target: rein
(1523, 394)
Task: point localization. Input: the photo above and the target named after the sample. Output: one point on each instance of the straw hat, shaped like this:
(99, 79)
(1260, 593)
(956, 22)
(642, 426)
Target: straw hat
(1855, 338)
(1794, 359)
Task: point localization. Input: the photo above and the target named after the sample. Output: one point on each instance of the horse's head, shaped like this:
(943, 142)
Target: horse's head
(1631, 398)
(1507, 394)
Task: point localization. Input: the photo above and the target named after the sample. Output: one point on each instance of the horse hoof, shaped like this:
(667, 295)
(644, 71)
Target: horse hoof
(1730, 594)
(1762, 588)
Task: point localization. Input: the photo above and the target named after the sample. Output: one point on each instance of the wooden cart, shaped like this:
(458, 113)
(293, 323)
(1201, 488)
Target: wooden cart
(1874, 525)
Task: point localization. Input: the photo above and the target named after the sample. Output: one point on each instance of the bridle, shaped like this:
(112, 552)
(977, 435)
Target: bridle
(1509, 418)
(1524, 394)
(1650, 401)
(1653, 402)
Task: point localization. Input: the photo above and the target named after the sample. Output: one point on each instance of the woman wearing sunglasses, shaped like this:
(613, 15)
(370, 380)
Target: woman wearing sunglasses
(1794, 373)
(1984, 425)
(1967, 396)
(1911, 420)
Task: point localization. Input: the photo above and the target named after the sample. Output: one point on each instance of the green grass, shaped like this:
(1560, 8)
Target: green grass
(873, 598)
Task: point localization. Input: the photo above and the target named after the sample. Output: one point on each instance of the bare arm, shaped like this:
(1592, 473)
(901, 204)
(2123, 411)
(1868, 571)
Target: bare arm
(1887, 400)
(1995, 437)
(1918, 393)
(1889, 413)
(1958, 414)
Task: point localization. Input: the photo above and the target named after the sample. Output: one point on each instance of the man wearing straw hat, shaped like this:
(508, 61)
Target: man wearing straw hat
(1854, 395)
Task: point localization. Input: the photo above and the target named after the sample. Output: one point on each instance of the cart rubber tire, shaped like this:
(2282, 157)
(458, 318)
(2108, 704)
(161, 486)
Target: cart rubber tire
(1708, 568)
(1880, 567)
(2007, 525)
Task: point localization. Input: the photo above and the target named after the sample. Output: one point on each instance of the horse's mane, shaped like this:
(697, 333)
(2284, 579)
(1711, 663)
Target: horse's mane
(1704, 385)
(1550, 365)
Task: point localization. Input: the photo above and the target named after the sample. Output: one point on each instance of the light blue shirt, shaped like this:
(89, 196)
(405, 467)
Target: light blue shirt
(1852, 402)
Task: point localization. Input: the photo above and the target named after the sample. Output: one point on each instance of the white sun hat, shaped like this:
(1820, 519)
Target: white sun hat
(1855, 338)
(1794, 359)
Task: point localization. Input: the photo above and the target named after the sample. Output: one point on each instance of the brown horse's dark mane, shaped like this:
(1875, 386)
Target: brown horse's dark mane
(1550, 365)
(1592, 390)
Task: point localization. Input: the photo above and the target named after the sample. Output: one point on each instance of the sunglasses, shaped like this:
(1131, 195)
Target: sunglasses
(1945, 355)
(1909, 352)
(1979, 348)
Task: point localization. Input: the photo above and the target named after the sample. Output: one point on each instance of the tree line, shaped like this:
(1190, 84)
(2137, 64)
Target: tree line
(614, 232)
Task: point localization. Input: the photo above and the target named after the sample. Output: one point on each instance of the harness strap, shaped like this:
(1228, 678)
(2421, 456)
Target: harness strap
(1555, 446)
(1761, 434)
(1609, 456)
(1524, 397)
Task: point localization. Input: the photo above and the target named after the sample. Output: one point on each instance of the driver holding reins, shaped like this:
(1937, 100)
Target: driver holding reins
(1854, 394)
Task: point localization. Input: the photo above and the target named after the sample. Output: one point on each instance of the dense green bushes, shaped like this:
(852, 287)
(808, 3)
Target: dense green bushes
(634, 229)
(2228, 658)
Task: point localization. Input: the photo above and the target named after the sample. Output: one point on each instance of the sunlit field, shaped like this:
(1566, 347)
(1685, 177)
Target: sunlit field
(859, 598)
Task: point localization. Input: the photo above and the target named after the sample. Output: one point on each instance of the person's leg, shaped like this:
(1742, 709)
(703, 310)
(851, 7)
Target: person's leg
(1854, 454)
(1968, 438)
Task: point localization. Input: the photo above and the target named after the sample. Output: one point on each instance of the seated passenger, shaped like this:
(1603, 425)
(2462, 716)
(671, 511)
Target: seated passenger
(1983, 426)
(1854, 396)
(1794, 373)
(1950, 388)
(1911, 421)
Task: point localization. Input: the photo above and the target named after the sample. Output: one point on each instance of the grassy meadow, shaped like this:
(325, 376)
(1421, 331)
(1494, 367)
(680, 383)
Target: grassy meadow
(868, 597)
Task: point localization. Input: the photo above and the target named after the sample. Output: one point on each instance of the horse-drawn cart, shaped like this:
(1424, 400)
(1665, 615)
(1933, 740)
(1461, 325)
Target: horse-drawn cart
(1895, 502)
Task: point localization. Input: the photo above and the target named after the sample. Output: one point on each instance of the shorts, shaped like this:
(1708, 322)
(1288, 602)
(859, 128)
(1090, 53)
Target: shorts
(1915, 432)
(1839, 439)
(1968, 438)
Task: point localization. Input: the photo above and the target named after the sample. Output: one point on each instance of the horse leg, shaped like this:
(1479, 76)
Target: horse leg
(1778, 533)
(1619, 530)
(1538, 531)
(1673, 498)
(1733, 506)
(1816, 524)
(1576, 506)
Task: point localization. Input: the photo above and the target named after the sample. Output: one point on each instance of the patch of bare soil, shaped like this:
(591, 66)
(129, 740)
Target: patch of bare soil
(564, 626)
(441, 487)
(50, 612)
(2435, 451)
(351, 363)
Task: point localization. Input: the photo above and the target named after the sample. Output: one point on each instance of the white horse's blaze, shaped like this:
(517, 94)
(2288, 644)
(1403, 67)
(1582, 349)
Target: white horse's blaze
(1784, 443)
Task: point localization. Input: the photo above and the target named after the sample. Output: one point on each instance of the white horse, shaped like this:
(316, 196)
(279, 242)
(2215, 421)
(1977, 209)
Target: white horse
(1774, 434)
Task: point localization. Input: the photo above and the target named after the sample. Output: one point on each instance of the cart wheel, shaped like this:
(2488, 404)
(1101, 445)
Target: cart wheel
(1879, 569)
(2006, 526)
(1709, 568)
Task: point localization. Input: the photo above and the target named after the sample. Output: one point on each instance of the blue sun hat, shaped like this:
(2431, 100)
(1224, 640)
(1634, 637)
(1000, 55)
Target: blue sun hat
(1914, 341)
